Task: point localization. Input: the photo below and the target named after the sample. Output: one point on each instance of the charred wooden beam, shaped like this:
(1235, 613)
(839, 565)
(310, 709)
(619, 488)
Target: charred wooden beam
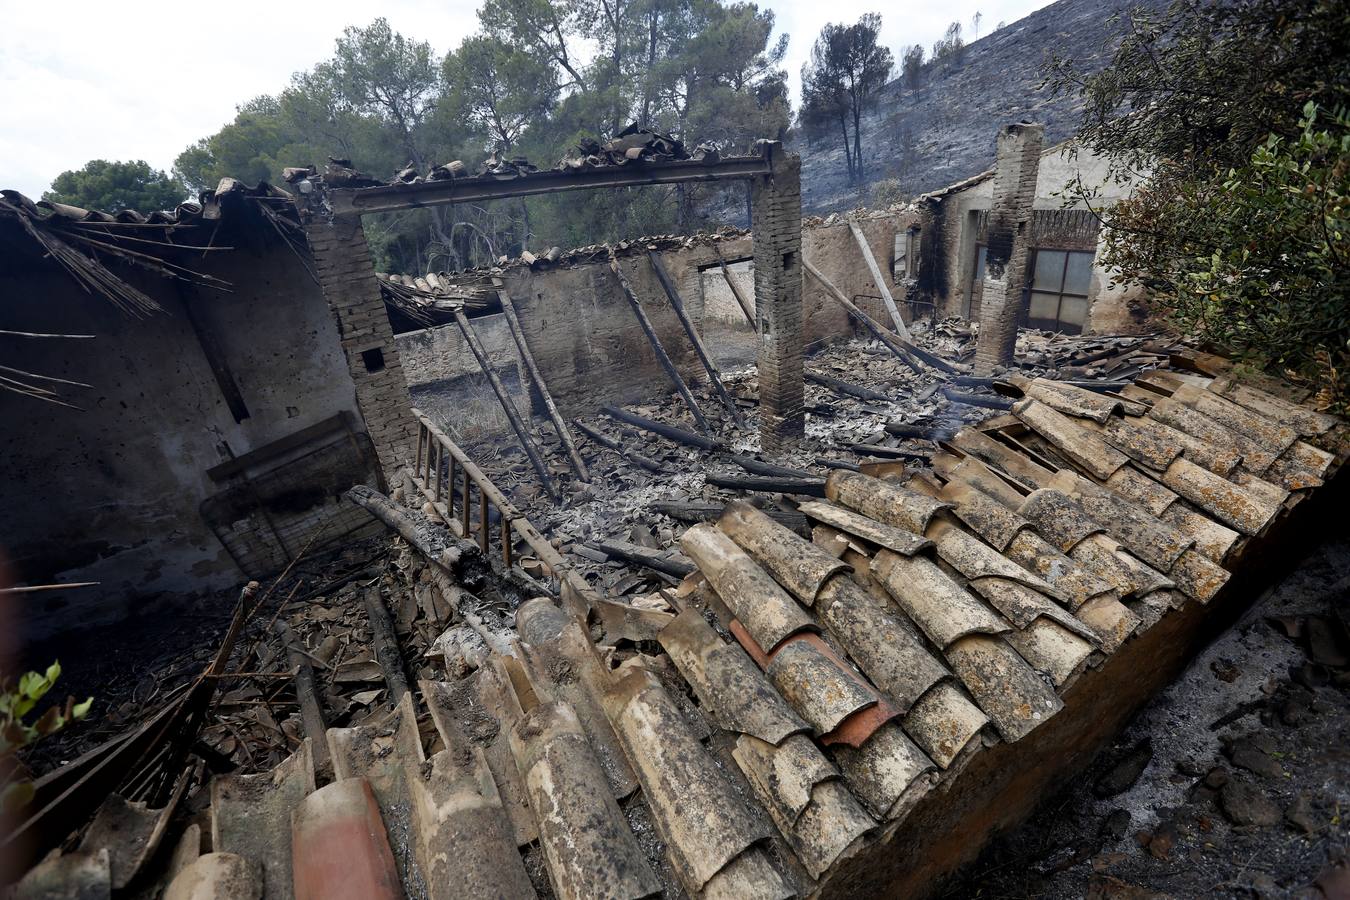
(679, 435)
(685, 511)
(676, 566)
(607, 442)
(647, 328)
(836, 463)
(884, 452)
(879, 281)
(384, 641)
(559, 424)
(759, 467)
(811, 487)
(846, 388)
(977, 399)
(890, 341)
(916, 432)
(677, 304)
(394, 197)
(735, 291)
(518, 426)
(307, 695)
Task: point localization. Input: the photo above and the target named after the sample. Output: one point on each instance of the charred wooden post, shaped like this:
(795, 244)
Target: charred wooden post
(890, 341)
(609, 443)
(385, 643)
(845, 388)
(977, 400)
(655, 341)
(518, 426)
(877, 279)
(759, 467)
(812, 487)
(675, 566)
(307, 695)
(677, 304)
(679, 435)
(916, 432)
(559, 424)
(735, 291)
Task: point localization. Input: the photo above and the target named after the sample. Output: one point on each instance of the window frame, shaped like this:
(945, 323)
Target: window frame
(1059, 294)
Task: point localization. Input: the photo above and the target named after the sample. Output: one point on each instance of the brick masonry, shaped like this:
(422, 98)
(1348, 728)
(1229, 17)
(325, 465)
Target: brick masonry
(342, 261)
(776, 217)
(1008, 238)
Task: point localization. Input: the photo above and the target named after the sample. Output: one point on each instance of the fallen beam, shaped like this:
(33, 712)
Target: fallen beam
(518, 426)
(900, 327)
(889, 452)
(759, 467)
(679, 435)
(735, 291)
(609, 443)
(891, 342)
(559, 425)
(677, 566)
(677, 304)
(385, 643)
(915, 432)
(811, 487)
(647, 328)
(307, 695)
(685, 511)
(977, 400)
(849, 390)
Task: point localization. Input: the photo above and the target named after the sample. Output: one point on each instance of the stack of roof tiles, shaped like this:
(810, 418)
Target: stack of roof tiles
(811, 692)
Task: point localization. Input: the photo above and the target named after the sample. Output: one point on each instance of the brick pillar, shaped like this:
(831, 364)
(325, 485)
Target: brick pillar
(342, 261)
(1007, 239)
(776, 218)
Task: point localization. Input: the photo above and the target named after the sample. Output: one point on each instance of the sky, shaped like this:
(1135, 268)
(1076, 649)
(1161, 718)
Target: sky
(144, 80)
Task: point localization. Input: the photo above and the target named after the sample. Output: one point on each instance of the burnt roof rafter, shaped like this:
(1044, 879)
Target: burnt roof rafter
(395, 197)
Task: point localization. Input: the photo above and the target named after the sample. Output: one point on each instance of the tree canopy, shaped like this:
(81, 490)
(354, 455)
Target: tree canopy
(114, 186)
(1231, 118)
(846, 70)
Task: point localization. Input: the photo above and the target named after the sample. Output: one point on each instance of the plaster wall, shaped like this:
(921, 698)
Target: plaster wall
(1112, 309)
(111, 492)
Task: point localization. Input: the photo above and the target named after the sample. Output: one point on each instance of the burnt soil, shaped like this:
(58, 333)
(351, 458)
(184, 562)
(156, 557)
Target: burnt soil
(1233, 782)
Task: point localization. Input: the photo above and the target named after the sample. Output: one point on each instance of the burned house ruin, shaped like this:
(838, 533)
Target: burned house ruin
(731, 564)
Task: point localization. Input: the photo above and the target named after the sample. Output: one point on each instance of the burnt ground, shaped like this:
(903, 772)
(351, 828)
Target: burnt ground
(1233, 782)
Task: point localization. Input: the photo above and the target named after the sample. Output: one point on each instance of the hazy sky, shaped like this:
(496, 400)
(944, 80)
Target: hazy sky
(144, 80)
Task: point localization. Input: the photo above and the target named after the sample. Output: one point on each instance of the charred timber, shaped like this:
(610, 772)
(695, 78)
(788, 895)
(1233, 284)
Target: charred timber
(518, 426)
(980, 400)
(394, 197)
(760, 467)
(655, 341)
(811, 487)
(849, 390)
(604, 440)
(676, 566)
(677, 304)
(670, 432)
(518, 335)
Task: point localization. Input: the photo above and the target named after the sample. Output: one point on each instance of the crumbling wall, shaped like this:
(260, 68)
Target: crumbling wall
(959, 217)
(590, 347)
(112, 492)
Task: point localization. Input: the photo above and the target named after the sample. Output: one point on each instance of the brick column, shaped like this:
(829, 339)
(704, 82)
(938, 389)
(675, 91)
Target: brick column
(342, 261)
(1007, 239)
(776, 219)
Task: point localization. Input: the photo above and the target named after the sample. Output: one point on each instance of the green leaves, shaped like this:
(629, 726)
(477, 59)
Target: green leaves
(115, 186)
(16, 790)
(1253, 257)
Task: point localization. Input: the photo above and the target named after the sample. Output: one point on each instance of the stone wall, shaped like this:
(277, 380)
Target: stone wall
(118, 491)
